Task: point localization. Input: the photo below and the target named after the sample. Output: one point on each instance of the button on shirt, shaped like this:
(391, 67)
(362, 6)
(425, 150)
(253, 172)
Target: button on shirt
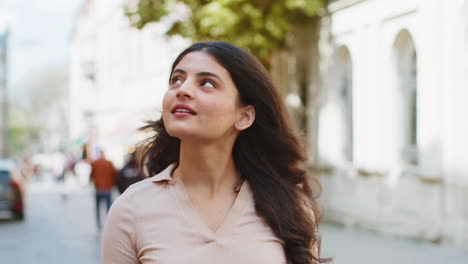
(154, 222)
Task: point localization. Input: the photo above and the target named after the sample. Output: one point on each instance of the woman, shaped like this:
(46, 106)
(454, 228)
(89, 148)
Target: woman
(230, 185)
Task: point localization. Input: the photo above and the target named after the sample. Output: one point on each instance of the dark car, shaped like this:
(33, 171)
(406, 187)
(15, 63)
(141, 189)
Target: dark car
(11, 190)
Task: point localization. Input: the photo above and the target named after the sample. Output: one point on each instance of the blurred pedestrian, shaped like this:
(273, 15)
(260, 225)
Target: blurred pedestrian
(129, 174)
(68, 175)
(69, 167)
(230, 184)
(103, 177)
(26, 167)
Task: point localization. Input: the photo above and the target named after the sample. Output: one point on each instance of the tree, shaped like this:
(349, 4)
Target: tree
(262, 26)
(40, 124)
(49, 107)
(284, 34)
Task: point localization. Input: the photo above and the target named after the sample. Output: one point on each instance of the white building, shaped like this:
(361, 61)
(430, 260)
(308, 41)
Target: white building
(4, 62)
(393, 126)
(118, 76)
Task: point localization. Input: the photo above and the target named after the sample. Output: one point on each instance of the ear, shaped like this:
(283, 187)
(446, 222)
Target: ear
(246, 119)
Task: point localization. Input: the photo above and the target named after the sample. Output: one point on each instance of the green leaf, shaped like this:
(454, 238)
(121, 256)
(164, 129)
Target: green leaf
(262, 27)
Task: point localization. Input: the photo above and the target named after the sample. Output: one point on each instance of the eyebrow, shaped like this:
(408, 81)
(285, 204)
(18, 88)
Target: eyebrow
(200, 74)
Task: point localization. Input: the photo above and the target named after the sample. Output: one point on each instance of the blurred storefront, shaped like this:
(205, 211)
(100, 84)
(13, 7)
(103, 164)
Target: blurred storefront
(118, 76)
(392, 130)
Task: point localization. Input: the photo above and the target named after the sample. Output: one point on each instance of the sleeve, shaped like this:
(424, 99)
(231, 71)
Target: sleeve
(118, 237)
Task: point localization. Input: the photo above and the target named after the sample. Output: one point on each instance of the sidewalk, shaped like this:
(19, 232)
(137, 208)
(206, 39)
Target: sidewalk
(60, 225)
(349, 246)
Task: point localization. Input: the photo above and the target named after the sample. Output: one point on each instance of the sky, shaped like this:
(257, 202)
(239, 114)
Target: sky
(40, 32)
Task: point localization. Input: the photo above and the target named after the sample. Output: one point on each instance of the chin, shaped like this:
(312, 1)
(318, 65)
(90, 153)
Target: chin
(188, 135)
(179, 132)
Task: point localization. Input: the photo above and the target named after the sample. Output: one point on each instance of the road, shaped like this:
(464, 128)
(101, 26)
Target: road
(61, 229)
(57, 228)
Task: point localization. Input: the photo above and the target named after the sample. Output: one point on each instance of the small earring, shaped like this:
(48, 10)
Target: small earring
(239, 124)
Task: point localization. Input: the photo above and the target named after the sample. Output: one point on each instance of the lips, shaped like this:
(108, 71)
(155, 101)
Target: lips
(182, 109)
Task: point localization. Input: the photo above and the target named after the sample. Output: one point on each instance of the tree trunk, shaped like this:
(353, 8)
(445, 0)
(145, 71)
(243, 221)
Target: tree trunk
(307, 78)
(297, 73)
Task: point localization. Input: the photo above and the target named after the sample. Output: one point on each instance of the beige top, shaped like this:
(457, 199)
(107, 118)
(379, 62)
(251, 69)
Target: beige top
(155, 222)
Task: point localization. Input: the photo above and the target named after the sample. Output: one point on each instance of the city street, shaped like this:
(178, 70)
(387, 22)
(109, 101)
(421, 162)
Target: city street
(348, 246)
(57, 228)
(60, 228)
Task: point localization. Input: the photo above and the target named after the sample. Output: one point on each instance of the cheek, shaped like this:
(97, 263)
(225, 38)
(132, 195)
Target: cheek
(220, 108)
(167, 101)
(221, 113)
(213, 107)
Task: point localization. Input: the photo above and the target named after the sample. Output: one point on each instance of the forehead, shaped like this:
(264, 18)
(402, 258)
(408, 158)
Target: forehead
(200, 61)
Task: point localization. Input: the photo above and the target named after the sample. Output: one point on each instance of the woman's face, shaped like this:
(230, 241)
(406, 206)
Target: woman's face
(202, 100)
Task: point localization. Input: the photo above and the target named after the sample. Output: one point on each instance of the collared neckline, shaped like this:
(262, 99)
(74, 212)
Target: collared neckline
(243, 196)
(230, 219)
(165, 175)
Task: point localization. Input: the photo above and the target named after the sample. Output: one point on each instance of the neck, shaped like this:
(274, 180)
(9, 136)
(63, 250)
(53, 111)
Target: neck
(208, 168)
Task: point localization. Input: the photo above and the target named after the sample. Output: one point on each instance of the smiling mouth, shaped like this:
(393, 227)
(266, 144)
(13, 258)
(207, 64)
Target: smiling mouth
(182, 109)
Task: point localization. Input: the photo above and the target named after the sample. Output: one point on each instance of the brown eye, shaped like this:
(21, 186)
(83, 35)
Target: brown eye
(208, 83)
(176, 80)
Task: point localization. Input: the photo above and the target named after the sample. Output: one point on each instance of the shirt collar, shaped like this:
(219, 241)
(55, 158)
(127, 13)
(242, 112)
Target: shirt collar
(164, 175)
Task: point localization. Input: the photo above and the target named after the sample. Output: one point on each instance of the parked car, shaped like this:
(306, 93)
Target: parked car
(11, 190)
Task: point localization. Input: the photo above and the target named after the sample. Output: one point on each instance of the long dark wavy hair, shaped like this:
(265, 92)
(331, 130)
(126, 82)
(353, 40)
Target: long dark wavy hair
(269, 155)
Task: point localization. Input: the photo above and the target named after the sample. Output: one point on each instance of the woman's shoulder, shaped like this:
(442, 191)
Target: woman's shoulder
(142, 185)
(150, 187)
(134, 200)
(140, 196)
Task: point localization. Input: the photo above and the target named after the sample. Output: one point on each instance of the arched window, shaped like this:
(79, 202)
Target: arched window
(406, 72)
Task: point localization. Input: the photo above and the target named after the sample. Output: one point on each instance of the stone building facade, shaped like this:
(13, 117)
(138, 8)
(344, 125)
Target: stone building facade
(392, 128)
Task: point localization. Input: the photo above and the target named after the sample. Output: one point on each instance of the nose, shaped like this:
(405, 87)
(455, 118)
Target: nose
(185, 90)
